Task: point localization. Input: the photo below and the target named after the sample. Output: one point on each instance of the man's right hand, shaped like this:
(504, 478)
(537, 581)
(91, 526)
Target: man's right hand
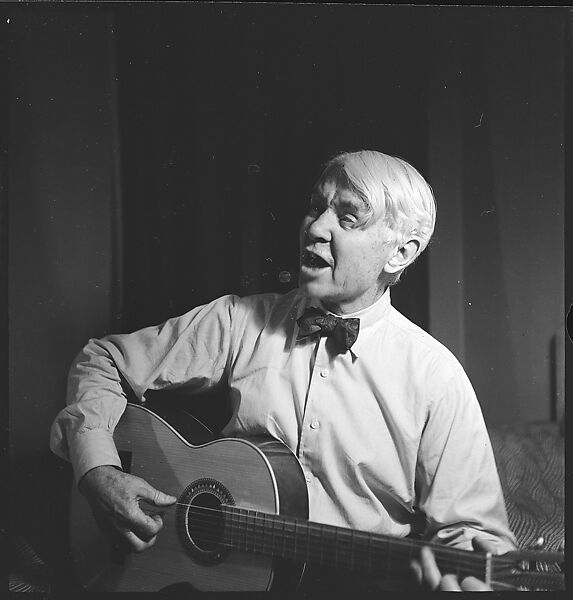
(114, 497)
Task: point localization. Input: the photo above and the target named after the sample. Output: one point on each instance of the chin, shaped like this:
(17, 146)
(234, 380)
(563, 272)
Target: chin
(312, 289)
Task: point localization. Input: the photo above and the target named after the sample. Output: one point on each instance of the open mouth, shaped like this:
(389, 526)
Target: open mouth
(312, 261)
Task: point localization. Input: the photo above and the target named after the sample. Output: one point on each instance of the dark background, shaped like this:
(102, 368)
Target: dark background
(233, 110)
(158, 156)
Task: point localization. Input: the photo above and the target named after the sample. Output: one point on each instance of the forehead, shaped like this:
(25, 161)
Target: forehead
(331, 189)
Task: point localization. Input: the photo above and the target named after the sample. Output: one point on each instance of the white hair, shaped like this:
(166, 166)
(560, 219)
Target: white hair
(391, 187)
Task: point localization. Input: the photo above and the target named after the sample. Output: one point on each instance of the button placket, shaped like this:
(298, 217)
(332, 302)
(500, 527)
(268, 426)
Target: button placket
(310, 423)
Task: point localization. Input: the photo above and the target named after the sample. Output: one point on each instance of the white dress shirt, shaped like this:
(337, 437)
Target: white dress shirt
(385, 430)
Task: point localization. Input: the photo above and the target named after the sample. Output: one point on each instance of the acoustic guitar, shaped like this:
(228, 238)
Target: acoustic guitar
(240, 522)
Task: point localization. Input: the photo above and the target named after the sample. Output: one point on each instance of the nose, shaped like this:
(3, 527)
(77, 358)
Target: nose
(319, 228)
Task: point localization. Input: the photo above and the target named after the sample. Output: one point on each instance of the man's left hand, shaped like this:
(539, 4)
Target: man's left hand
(428, 574)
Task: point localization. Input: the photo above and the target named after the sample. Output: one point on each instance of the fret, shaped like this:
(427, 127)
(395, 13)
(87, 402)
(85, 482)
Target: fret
(365, 563)
(369, 554)
(246, 522)
(344, 538)
(283, 535)
(352, 567)
(258, 542)
(358, 553)
(321, 538)
(255, 530)
(274, 522)
(237, 529)
(295, 539)
(332, 544)
(243, 524)
(288, 547)
(336, 547)
(254, 533)
(264, 518)
(388, 559)
(227, 525)
(250, 531)
(264, 525)
(313, 542)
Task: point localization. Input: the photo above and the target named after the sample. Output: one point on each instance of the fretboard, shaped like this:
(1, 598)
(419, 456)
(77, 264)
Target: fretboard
(337, 547)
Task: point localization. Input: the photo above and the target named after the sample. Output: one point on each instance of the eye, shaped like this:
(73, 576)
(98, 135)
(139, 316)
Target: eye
(348, 219)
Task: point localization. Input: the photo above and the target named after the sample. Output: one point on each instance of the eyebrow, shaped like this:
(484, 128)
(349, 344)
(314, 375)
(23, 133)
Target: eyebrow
(356, 204)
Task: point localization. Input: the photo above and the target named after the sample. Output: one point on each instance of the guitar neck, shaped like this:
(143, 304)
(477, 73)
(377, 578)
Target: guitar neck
(337, 547)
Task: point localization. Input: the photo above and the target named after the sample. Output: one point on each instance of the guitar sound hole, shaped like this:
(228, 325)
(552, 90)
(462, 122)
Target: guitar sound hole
(201, 520)
(205, 522)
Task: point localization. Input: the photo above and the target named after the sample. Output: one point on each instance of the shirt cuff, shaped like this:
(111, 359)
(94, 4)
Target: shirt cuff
(461, 537)
(92, 448)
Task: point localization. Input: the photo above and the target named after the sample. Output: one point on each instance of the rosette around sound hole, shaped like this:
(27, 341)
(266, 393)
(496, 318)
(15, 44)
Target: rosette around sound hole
(201, 520)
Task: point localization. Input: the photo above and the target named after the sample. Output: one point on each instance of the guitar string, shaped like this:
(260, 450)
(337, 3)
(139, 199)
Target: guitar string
(364, 560)
(253, 515)
(333, 557)
(328, 556)
(460, 558)
(316, 551)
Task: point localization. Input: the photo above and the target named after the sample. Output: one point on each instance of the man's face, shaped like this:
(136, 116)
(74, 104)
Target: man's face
(342, 252)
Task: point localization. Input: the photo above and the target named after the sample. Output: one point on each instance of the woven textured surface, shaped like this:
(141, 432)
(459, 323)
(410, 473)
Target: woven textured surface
(28, 571)
(531, 466)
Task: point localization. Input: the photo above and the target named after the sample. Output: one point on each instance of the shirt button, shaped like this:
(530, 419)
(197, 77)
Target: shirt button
(324, 373)
(314, 424)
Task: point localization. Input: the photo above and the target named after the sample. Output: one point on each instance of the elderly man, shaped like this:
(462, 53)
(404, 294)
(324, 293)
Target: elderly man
(381, 416)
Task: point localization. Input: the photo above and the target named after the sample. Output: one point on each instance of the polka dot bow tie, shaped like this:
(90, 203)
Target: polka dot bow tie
(314, 320)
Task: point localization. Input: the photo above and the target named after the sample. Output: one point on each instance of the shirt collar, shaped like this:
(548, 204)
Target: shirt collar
(368, 316)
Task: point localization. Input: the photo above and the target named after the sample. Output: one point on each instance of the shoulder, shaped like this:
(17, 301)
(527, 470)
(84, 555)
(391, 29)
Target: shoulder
(269, 306)
(433, 359)
(238, 308)
(413, 335)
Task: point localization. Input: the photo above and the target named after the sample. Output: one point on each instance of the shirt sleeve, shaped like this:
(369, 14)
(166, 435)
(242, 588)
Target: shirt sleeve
(191, 350)
(458, 485)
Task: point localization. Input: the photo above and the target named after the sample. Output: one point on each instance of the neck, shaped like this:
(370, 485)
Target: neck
(337, 547)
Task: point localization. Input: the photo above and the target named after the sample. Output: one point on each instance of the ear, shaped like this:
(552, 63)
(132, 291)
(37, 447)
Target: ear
(404, 256)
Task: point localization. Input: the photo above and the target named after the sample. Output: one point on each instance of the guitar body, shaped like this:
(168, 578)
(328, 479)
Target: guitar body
(259, 474)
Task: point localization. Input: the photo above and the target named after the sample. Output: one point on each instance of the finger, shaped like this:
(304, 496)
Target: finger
(144, 526)
(135, 543)
(449, 583)
(431, 573)
(472, 584)
(483, 544)
(156, 497)
(417, 569)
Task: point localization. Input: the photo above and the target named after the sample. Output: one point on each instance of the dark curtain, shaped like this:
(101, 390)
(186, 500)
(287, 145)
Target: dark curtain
(226, 113)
